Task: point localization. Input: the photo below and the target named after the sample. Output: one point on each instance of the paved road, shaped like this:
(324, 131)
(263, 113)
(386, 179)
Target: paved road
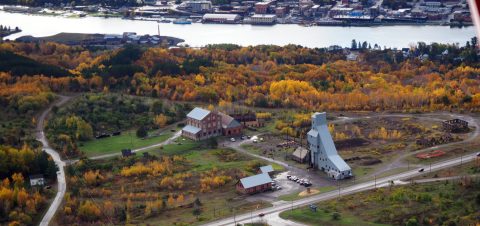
(168, 141)
(62, 185)
(272, 212)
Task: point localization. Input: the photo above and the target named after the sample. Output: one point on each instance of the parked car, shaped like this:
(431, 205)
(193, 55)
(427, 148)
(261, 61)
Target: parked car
(421, 170)
(289, 176)
(478, 154)
(232, 139)
(261, 214)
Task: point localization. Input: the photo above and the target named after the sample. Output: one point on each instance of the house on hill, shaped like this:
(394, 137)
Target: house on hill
(254, 184)
(323, 154)
(37, 180)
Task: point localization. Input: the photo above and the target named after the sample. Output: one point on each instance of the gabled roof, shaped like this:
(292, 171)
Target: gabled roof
(339, 163)
(266, 169)
(252, 181)
(228, 121)
(191, 129)
(198, 113)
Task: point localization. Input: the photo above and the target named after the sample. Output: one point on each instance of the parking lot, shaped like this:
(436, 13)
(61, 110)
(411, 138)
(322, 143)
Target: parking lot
(289, 186)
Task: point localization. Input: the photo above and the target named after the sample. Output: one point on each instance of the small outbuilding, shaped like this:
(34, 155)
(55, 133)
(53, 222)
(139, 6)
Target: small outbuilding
(254, 184)
(37, 180)
(301, 155)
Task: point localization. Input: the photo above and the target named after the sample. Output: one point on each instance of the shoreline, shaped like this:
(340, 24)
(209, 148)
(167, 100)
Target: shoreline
(336, 23)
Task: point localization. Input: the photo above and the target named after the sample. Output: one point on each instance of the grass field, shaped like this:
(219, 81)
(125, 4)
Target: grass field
(322, 217)
(113, 144)
(295, 196)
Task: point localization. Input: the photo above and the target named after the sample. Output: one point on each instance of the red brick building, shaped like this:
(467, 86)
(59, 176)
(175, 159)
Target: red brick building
(261, 7)
(254, 184)
(202, 124)
(230, 126)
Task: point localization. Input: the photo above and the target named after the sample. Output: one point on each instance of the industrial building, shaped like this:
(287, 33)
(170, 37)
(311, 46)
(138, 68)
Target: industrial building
(323, 154)
(221, 18)
(254, 184)
(263, 19)
(203, 124)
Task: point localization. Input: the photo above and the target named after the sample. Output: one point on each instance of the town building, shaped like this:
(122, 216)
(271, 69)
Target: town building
(254, 184)
(220, 18)
(323, 154)
(197, 6)
(263, 19)
(202, 124)
(301, 155)
(230, 126)
(262, 7)
(37, 180)
(352, 56)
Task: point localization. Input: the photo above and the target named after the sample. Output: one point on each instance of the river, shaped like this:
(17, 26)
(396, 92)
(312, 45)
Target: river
(198, 34)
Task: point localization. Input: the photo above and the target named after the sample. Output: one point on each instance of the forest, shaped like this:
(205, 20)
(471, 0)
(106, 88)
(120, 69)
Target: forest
(266, 76)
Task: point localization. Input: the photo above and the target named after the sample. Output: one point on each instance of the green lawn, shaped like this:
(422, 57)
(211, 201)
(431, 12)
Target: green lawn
(322, 217)
(113, 144)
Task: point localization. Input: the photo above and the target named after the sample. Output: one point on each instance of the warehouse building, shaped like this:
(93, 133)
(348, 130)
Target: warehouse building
(221, 18)
(254, 184)
(263, 19)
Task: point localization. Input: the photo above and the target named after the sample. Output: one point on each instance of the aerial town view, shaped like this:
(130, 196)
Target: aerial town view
(243, 113)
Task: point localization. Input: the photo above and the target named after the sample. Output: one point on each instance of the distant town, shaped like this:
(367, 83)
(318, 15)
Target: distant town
(269, 12)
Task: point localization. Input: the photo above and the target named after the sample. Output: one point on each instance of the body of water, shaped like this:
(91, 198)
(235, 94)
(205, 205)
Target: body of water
(198, 34)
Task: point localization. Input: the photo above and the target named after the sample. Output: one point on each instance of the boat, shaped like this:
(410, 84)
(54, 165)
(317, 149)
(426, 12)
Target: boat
(182, 21)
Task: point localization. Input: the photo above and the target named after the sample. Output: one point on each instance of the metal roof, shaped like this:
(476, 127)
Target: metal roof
(253, 181)
(324, 139)
(266, 169)
(198, 113)
(213, 16)
(191, 129)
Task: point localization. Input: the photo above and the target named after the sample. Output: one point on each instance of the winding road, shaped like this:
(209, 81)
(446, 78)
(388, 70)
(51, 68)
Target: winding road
(61, 182)
(272, 212)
